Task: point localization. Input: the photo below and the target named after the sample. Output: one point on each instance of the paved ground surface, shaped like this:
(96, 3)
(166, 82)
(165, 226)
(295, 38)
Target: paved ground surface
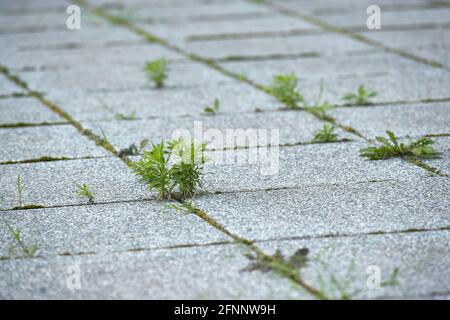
(354, 215)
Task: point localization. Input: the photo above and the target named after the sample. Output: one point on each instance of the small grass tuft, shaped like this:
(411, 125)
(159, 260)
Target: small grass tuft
(157, 71)
(284, 88)
(361, 97)
(83, 191)
(391, 148)
(19, 190)
(326, 134)
(320, 108)
(214, 108)
(25, 250)
(181, 177)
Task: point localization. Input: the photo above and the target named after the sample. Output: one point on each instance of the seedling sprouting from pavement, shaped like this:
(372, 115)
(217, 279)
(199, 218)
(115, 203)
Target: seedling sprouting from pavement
(391, 148)
(179, 180)
(320, 108)
(26, 251)
(361, 97)
(19, 190)
(118, 115)
(157, 71)
(214, 108)
(327, 134)
(83, 191)
(284, 88)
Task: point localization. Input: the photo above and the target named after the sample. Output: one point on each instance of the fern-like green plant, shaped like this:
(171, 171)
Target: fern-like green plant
(157, 71)
(361, 97)
(390, 147)
(284, 88)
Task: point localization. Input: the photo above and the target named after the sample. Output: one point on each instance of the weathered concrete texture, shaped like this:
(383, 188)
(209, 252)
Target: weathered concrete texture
(102, 78)
(323, 44)
(190, 273)
(168, 102)
(300, 166)
(25, 110)
(53, 183)
(52, 141)
(330, 210)
(293, 127)
(422, 259)
(107, 228)
(412, 119)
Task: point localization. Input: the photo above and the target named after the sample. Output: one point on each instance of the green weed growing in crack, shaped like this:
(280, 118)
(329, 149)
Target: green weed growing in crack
(83, 191)
(133, 150)
(19, 190)
(26, 251)
(212, 109)
(117, 115)
(178, 179)
(185, 207)
(320, 108)
(157, 71)
(361, 97)
(391, 147)
(326, 134)
(284, 88)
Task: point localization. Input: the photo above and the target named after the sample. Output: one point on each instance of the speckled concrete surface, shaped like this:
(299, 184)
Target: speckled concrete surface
(354, 215)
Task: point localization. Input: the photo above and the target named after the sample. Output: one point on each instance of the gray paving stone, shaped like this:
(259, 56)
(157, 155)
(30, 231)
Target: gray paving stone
(327, 44)
(109, 228)
(179, 32)
(134, 55)
(413, 120)
(168, 102)
(25, 110)
(190, 273)
(422, 259)
(53, 183)
(301, 166)
(293, 126)
(53, 141)
(105, 78)
(333, 209)
(87, 37)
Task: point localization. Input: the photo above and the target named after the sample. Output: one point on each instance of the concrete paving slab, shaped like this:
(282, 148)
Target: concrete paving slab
(333, 210)
(300, 166)
(52, 141)
(413, 120)
(99, 78)
(165, 103)
(107, 228)
(53, 183)
(25, 110)
(8, 87)
(442, 145)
